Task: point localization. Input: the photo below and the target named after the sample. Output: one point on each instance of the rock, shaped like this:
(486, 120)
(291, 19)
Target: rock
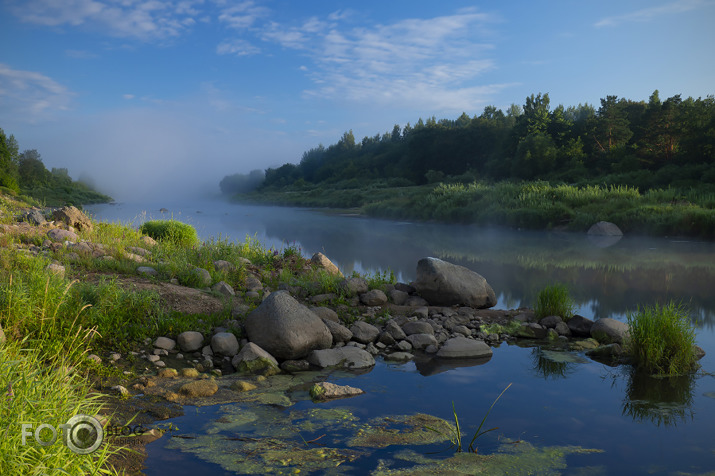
(531, 330)
(285, 328)
(322, 261)
(374, 297)
(253, 283)
(421, 341)
(609, 351)
(56, 269)
(447, 284)
(386, 338)
(325, 313)
(223, 265)
(94, 358)
(605, 228)
(395, 330)
(584, 344)
(153, 358)
(698, 351)
(224, 343)
(354, 286)
(189, 373)
(364, 332)
(147, 271)
(223, 288)
(417, 327)
(253, 359)
(562, 329)
(403, 346)
(609, 331)
(147, 241)
(464, 330)
(292, 366)
(164, 343)
(580, 326)
(114, 356)
(398, 297)
(133, 257)
(34, 217)
(550, 322)
(399, 356)
(463, 348)
(319, 298)
(168, 373)
(243, 386)
(60, 235)
(340, 333)
(121, 390)
(71, 216)
(199, 388)
(190, 341)
(139, 251)
(327, 391)
(405, 288)
(347, 357)
(416, 301)
(203, 277)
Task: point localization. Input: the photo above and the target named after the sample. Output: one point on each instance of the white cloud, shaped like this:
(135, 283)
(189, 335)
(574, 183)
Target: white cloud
(237, 47)
(242, 15)
(145, 20)
(128, 96)
(30, 96)
(648, 14)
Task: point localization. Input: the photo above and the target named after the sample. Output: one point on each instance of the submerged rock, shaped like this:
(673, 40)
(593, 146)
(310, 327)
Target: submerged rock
(446, 284)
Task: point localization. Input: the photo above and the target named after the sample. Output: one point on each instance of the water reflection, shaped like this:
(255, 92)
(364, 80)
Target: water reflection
(662, 401)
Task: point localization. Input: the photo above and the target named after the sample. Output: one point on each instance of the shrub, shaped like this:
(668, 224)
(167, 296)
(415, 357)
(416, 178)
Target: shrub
(171, 230)
(662, 339)
(555, 301)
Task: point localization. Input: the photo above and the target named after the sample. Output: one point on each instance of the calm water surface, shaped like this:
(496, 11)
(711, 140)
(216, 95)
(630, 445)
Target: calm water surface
(643, 425)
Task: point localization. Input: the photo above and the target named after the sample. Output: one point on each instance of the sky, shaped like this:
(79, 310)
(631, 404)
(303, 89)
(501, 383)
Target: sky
(155, 97)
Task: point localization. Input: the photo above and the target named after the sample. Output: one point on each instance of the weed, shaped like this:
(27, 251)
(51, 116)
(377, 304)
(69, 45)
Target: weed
(172, 231)
(661, 340)
(555, 301)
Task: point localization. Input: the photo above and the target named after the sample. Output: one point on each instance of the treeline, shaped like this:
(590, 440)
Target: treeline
(25, 173)
(643, 144)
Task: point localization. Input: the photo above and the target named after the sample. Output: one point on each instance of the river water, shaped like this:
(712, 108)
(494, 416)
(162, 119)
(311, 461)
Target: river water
(642, 425)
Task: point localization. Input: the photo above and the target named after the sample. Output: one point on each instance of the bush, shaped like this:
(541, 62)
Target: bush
(662, 339)
(555, 301)
(171, 230)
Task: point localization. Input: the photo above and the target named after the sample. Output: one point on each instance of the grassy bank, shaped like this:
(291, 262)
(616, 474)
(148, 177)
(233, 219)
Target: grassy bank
(533, 205)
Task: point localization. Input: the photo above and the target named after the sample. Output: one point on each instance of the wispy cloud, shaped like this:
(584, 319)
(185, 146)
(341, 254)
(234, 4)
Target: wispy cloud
(237, 47)
(241, 15)
(429, 63)
(145, 20)
(30, 96)
(650, 13)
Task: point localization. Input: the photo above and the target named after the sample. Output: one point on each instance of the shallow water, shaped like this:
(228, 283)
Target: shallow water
(642, 425)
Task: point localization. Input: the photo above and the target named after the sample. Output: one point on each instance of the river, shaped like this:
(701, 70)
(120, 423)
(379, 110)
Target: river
(641, 425)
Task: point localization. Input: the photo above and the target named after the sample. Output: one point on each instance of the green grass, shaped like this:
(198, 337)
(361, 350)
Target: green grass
(172, 231)
(554, 300)
(662, 339)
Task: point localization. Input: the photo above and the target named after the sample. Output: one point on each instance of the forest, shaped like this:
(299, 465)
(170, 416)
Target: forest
(25, 173)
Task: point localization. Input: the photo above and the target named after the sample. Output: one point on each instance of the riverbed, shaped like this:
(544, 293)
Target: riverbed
(558, 399)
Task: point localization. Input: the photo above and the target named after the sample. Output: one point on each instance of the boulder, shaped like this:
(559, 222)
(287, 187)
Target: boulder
(224, 343)
(354, 286)
(421, 341)
(364, 332)
(34, 217)
(609, 331)
(148, 241)
(417, 327)
(398, 297)
(322, 261)
(605, 228)
(56, 269)
(147, 271)
(374, 297)
(60, 235)
(347, 357)
(203, 277)
(253, 359)
(446, 284)
(223, 265)
(328, 391)
(138, 251)
(199, 388)
(190, 341)
(340, 333)
(164, 343)
(463, 348)
(550, 321)
(405, 288)
(399, 357)
(531, 330)
(325, 313)
(580, 326)
(71, 216)
(293, 366)
(285, 328)
(223, 288)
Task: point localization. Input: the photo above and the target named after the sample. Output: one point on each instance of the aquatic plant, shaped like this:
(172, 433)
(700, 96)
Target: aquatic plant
(170, 230)
(555, 301)
(662, 339)
(455, 436)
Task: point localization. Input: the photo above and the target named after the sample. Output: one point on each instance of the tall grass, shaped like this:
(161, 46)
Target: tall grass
(554, 300)
(170, 230)
(662, 339)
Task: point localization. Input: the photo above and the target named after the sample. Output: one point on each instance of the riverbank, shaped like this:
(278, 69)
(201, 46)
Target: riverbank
(166, 323)
(529, 205)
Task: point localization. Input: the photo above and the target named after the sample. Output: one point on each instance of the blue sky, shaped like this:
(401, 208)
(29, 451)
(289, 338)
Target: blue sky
(150, 96)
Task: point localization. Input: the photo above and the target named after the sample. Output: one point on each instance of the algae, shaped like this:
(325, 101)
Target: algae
(418, 429)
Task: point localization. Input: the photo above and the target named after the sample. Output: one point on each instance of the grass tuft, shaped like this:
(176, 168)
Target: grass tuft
(555, 301)
(662, 339)
(170, 230)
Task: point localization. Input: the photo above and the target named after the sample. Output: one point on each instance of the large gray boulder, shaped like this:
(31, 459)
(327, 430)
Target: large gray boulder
(580, 326)
(605, 228)
(73, 217)
(364, 332)
(60, 235)
(340, 332)
(463, 348)
(348, 357)
(321, 261)
(224, 343)
(190, 341)
(285, 328)
(609, 331)
(374, 297)
(447, 284)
